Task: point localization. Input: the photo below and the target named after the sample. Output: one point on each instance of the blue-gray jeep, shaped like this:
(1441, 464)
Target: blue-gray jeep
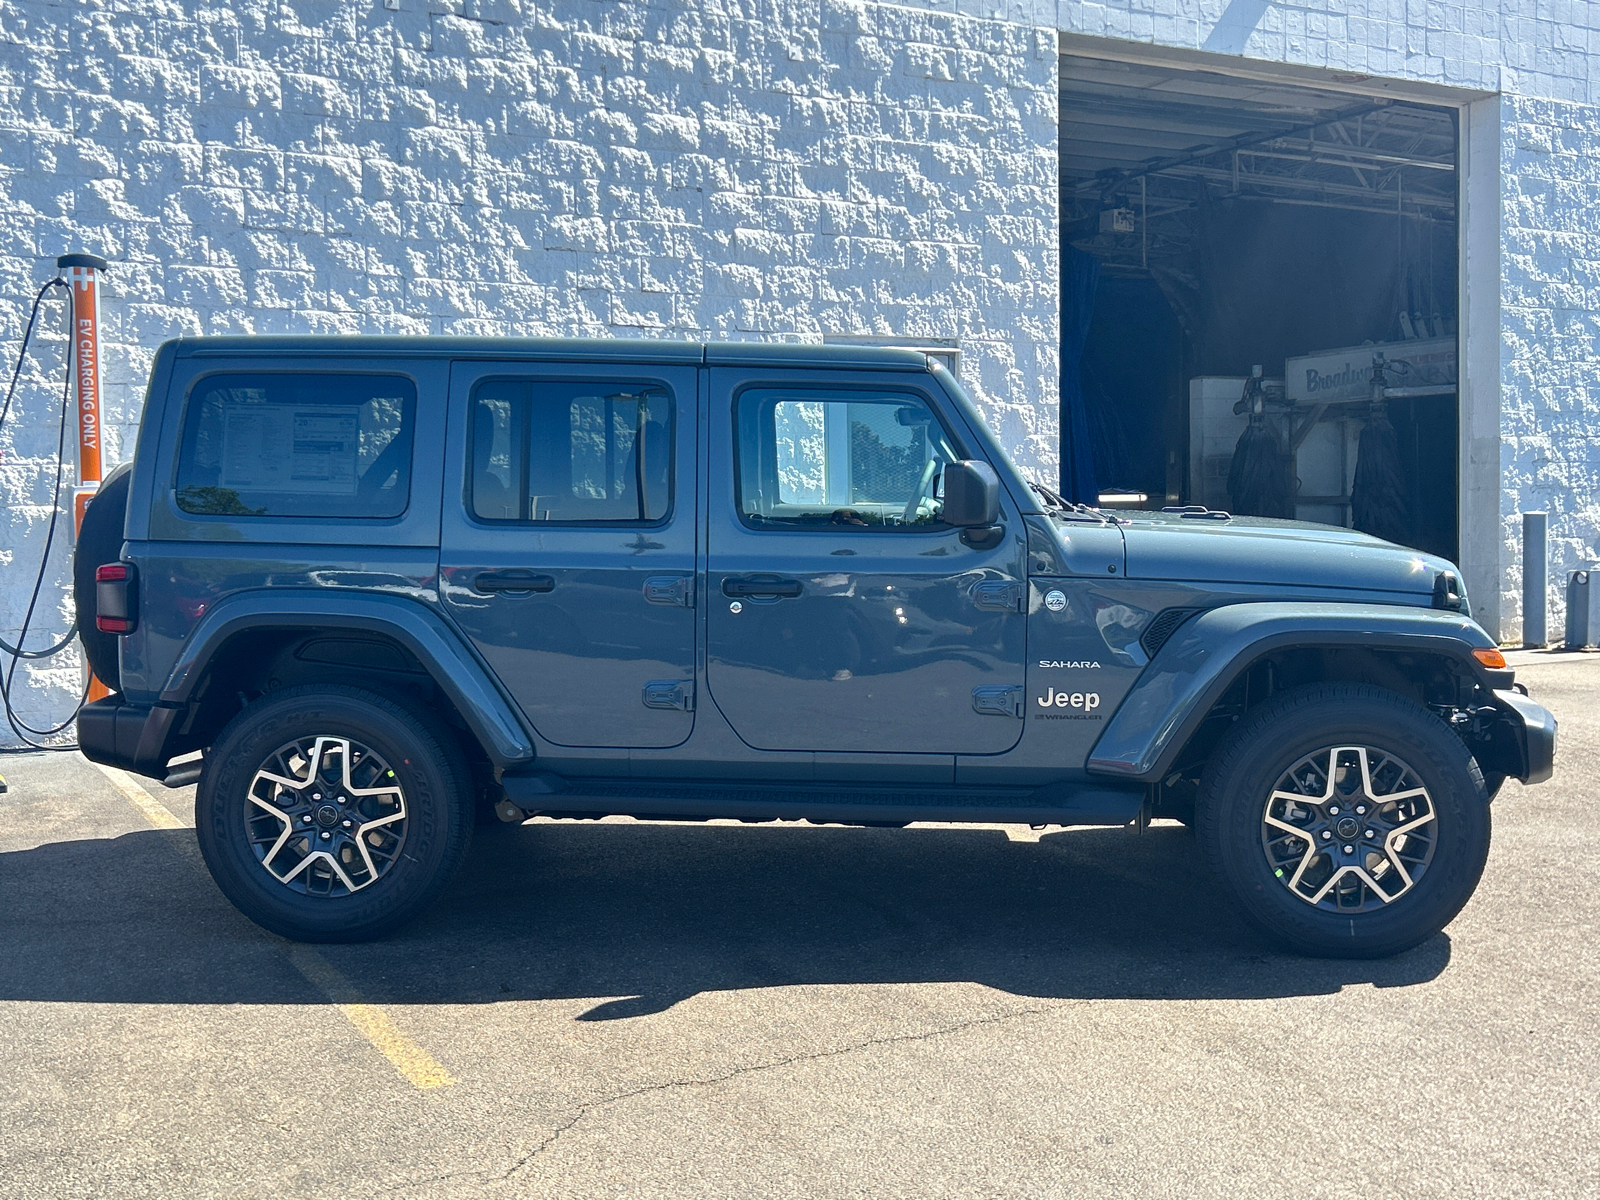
(388, 587)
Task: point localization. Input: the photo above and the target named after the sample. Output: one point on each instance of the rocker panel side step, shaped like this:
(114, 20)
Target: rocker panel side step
(1053, 804)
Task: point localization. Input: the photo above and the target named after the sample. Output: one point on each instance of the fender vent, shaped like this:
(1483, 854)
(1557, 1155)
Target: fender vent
(1163, 627)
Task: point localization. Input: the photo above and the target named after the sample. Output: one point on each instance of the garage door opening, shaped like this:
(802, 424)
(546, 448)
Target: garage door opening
(1237, 259)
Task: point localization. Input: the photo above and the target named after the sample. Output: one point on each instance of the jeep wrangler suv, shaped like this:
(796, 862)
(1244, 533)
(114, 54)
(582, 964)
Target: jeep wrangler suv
(387, 585)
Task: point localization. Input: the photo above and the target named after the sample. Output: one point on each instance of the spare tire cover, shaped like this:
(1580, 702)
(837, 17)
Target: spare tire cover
(99, 542)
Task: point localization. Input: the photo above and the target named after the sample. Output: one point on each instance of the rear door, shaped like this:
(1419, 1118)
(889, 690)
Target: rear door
(843, 615)
(568, 543)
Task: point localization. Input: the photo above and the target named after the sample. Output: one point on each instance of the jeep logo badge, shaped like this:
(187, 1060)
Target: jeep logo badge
(1055, 600)
(1089, 701)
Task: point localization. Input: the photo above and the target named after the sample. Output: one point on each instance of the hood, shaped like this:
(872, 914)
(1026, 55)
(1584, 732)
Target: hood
(1266, 551)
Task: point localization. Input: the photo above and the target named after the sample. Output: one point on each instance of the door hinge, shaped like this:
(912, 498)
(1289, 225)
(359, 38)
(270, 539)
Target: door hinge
(1000, 595)
(997, 701)
(670, 693)
(670, 589)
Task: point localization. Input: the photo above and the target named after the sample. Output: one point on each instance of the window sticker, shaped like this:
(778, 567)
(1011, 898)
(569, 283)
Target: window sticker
(287, 448)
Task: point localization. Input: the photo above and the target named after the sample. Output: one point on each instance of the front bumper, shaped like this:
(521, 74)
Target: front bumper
(134, 737)
(1523, 739)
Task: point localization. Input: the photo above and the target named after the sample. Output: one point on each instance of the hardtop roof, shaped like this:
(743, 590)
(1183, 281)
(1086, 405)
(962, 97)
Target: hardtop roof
(654, 350)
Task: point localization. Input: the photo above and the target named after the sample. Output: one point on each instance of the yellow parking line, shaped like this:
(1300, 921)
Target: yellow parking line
(152, 809)
(419, 1067)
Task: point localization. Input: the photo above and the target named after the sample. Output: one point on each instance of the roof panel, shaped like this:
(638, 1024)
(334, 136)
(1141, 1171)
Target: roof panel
(637, 350)
(613, 349)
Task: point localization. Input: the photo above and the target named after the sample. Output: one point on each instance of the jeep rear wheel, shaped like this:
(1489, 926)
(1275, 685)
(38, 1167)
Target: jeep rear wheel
(332, 814)
(1348, 821)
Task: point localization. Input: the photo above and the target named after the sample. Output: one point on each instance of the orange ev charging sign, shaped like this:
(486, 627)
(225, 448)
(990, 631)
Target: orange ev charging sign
(83, 276)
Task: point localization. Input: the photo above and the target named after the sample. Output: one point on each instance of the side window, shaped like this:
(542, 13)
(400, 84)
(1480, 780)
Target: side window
(869, 460)
(297, 444)
(571, 453)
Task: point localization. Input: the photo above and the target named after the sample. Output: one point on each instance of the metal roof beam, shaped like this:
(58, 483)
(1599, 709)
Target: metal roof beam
(1110, 179)
(1349, 158)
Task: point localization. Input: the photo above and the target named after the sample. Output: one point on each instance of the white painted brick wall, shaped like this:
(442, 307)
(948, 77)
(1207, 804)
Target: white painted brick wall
(1538, 55)
(1550, 336)
(699, 169)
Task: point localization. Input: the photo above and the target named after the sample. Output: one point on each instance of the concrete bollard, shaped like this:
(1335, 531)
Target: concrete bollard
(1535, 580)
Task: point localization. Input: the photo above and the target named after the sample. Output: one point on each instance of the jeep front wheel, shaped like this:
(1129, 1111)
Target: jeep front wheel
(1348, 821)
(329, 814)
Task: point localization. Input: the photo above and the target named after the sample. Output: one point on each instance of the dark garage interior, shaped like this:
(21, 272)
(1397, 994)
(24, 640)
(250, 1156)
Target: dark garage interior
(1236, 257)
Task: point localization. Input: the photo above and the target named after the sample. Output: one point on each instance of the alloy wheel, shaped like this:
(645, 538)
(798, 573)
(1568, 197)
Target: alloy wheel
(1349, 829)
(325, 815)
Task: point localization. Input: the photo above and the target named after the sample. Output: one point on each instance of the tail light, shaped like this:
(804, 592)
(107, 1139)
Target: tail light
(116, 598)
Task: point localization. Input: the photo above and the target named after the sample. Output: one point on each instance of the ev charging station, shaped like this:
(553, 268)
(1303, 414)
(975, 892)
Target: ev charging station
(82, 273)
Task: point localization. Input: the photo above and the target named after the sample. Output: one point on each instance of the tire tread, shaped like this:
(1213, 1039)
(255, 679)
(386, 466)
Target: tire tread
(1314, 931)
(425, 741)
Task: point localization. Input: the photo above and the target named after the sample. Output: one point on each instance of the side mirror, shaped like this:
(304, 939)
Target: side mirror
(971, 494)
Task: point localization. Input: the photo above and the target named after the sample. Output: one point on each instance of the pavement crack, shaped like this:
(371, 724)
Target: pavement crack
(775, 1064)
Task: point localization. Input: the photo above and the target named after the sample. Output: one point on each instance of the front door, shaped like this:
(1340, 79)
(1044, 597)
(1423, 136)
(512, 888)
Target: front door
(569, 557)
(843, 614)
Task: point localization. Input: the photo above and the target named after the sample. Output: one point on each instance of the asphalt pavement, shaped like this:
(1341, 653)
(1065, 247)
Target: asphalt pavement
(619, 1009)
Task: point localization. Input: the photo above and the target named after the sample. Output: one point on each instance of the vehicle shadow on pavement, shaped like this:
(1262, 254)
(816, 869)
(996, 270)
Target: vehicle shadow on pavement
(657, 913)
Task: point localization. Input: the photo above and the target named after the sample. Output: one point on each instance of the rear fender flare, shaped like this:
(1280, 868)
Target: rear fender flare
(1209, 652)
(454, 668)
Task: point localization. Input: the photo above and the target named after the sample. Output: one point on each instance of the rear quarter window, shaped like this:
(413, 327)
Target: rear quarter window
(571, 453)
(297, 444)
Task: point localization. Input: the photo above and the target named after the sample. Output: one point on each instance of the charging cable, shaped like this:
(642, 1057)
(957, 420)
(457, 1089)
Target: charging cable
(18, 726)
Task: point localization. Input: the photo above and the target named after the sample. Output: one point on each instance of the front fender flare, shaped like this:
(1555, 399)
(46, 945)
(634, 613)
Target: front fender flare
(1208, 652)
(454, 668)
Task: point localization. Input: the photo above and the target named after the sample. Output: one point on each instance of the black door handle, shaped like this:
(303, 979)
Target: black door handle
(512, 581)
(758, 586)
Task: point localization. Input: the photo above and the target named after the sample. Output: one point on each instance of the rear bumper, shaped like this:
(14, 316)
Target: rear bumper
(1528, 731)
(131, 736)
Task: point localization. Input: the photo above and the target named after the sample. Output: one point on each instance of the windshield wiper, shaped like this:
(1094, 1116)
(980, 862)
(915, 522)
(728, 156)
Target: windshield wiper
(1068, 510)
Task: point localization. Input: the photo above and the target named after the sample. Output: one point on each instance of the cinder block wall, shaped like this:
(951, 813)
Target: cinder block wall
(776, 170)
(1550, 339)
(1539, 58)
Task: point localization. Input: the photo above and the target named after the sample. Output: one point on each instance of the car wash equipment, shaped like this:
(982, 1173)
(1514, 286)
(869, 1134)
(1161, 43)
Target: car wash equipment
(1261, 474)
(1378, 501)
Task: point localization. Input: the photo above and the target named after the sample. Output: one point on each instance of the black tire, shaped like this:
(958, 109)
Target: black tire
(425, 768)
(1295, 728)
(100, 542)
